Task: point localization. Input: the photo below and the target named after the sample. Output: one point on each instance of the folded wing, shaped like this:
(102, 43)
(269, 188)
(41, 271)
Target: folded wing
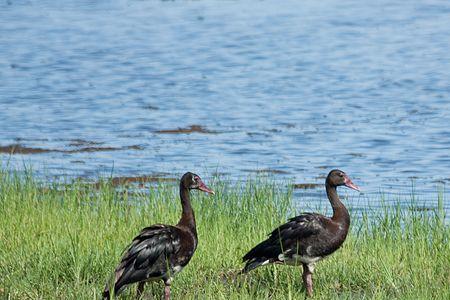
(285, 239)
(148, 256)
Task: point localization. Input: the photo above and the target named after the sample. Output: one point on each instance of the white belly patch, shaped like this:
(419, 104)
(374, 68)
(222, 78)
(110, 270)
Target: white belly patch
(177, 269)
(296, 259)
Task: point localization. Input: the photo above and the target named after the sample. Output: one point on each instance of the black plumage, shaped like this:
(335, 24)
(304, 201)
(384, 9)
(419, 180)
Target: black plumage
(150, 255)
(160, 251)
(307, 238)
(285, 240)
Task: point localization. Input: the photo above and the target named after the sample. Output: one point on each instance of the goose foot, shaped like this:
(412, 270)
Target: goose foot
(167, 289)
(307, 279)
(140, 290)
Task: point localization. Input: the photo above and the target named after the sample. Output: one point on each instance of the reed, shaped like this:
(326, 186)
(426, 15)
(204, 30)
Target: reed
(62, 241)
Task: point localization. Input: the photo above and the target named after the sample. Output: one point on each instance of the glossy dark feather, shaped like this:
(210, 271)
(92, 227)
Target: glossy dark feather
(149, 256)
(290, 238)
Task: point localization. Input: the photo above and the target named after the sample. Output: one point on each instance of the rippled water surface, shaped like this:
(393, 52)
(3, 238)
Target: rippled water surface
(276, 86)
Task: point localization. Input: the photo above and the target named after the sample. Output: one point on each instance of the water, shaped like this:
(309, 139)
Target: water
(292, 89)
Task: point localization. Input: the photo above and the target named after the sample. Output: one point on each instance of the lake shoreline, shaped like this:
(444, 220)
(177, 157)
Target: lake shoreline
(63, 241)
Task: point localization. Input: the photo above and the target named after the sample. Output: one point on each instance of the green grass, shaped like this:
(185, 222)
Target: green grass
(63, 241)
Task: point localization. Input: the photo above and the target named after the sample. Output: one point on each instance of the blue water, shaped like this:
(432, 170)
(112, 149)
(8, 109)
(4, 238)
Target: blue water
(294, 87)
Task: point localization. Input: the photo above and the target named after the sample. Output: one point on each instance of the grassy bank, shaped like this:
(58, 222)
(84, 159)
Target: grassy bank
(63, 242)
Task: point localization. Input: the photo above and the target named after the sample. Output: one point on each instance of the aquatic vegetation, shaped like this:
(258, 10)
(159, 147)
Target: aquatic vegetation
(62, 241)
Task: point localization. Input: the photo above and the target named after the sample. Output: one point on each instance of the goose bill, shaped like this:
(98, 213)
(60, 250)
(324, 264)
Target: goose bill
(348, 183)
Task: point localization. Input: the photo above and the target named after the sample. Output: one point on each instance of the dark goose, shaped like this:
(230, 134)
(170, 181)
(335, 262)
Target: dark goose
(160, 251)
(307, 238)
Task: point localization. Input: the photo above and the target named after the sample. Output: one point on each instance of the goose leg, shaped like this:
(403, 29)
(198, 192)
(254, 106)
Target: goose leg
(307, 280)
(167, 289)
(140, 290)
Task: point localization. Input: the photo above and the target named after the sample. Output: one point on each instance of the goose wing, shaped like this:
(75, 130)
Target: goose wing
(148, 255)
(284, 240)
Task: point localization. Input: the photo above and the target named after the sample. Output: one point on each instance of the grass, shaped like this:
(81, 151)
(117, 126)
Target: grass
(63, 241)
